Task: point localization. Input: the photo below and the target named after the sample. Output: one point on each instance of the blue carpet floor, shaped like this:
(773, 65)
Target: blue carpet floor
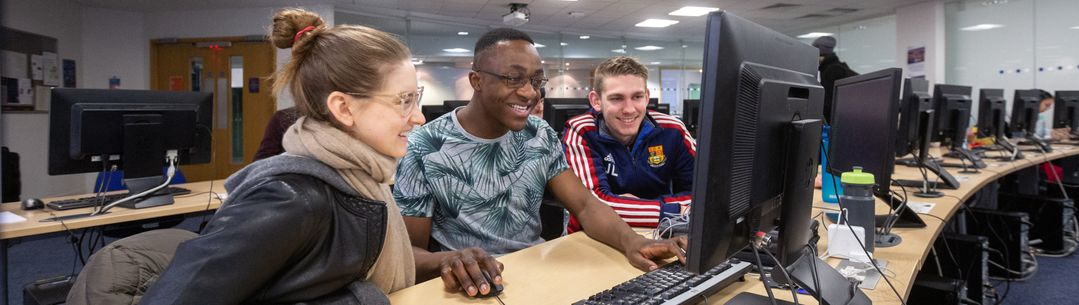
(31, 259)
(1056, 282)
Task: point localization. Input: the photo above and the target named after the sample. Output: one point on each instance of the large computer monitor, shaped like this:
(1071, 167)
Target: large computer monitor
(90, 129)
(953, 104)
(863, 124)
(1066, 111)
(450, 105)
(915, 100)
(759, 142)
(432, 112)
(991, 112)
(691, 115)
(556, 115)
(1025, 108)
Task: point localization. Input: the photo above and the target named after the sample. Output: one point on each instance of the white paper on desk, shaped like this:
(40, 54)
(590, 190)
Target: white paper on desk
(921, 207)
(9, 217)
(961, 178)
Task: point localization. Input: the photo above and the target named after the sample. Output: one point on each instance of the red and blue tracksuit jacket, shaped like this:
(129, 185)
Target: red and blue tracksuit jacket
(657, 169)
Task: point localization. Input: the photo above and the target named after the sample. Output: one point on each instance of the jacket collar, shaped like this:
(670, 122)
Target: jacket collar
(647, 126)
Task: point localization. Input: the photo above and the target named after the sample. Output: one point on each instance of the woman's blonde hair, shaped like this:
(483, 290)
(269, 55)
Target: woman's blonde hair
(345, 58)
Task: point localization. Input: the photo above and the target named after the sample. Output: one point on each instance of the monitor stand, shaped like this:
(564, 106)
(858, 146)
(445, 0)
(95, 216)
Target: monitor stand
(966, 154)
(1013, 151)
(949, 181)
(819, 279)
(139, 185)
(1032, 140)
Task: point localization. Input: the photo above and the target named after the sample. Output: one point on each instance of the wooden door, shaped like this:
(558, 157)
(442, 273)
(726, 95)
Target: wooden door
(236, 71)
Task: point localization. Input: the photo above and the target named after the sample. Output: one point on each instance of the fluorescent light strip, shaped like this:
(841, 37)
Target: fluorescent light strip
(656, 23)
(981, 27)
(693, 11)
(815, 35)
(539, 45)
(455, 50)
(648, 48)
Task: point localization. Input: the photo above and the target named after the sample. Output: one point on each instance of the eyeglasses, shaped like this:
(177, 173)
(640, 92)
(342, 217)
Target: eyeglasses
(537, 81)
(406, 104)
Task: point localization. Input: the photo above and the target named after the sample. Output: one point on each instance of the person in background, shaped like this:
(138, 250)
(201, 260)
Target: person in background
(1044, 129)
(639, 162)
(275, 130)
(831, 70)
(472, 181)
(317, 224)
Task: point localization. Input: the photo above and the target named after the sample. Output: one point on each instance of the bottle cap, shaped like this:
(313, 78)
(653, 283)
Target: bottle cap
(857, 176)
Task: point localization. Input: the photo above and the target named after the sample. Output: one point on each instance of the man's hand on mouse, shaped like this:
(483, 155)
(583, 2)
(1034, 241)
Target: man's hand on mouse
(642, 252)
(462, 271)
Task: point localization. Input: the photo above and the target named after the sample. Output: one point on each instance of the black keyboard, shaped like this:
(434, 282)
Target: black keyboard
(670, 285)
(90, 201)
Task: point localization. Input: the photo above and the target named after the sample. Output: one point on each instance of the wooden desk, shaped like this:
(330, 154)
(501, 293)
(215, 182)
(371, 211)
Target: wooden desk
(198, 201)
(573, 267)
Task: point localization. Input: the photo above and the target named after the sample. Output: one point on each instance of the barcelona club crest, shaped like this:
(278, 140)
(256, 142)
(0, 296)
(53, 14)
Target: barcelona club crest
(656, 157)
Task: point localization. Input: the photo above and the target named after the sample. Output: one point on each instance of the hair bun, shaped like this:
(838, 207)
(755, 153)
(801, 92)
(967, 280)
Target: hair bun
(288, 22)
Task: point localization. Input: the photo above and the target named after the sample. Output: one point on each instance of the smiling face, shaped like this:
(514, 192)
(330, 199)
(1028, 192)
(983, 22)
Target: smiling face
(379, 120)
(623, 100)
(506, 105)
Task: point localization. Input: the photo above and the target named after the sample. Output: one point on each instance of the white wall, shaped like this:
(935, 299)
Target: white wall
(114, 44)
(27, 133)
(922, 25)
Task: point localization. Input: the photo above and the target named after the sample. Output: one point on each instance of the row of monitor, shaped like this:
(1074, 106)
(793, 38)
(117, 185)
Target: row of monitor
(555, 111)
(758, 124)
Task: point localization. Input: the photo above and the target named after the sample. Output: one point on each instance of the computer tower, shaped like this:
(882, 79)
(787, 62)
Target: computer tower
(963, 257)
(1027, 181)
(931, 289)
(1050, 217)
(1007, 235)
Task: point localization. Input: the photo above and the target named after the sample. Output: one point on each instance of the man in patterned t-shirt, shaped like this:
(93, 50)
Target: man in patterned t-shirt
(472, 180)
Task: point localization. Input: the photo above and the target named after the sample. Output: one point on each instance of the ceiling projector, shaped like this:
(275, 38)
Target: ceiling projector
(517, 16)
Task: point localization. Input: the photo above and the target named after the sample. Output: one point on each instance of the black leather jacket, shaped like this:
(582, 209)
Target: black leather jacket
(288, 239)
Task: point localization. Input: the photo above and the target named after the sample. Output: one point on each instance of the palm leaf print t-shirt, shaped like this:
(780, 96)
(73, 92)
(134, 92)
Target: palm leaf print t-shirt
(479, 192)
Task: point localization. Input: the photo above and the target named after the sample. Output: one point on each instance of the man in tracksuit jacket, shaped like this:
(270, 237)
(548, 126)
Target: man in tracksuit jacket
(639, 162)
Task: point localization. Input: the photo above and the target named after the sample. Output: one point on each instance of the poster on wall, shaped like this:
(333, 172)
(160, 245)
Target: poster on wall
(69, 73)
(50, 65)
(916, 61)
(36, 71)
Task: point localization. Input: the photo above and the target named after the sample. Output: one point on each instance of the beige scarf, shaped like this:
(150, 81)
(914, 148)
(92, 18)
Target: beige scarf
(369, 172)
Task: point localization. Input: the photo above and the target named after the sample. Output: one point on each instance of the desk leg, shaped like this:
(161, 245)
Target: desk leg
(3, 272)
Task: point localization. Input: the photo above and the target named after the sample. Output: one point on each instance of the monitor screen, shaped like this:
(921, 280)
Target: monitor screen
(915, 100)
(759, 95)
(1025, 108)
(991, 112)
(953, 107)
(450, 105)
(1066, 110)
(87, 126)
(862, 132)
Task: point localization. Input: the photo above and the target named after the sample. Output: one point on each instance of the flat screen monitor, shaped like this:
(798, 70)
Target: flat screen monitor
(1025, 108)
(432, 112)
(691, 114)
(1066, 110)
(915, 100)
(760, 121)
(450, 105)
(557, 114)
(664, 108)
(864, 115)
(91, 129)
(991, 112)
(953, 107)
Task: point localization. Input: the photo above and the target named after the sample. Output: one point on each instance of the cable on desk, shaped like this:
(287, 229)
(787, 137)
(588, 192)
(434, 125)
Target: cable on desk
(861, 243)
(764, 279)
(794, 294)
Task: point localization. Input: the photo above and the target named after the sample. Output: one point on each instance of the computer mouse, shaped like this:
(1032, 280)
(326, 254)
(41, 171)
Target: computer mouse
(32, 204)
(495, 288)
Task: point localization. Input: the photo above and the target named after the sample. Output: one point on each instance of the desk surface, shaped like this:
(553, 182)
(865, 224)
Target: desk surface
(200, 199)
(573, 267)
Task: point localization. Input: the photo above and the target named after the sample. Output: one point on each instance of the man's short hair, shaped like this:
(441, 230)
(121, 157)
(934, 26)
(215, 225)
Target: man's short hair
(616, 66)
(495, 36)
